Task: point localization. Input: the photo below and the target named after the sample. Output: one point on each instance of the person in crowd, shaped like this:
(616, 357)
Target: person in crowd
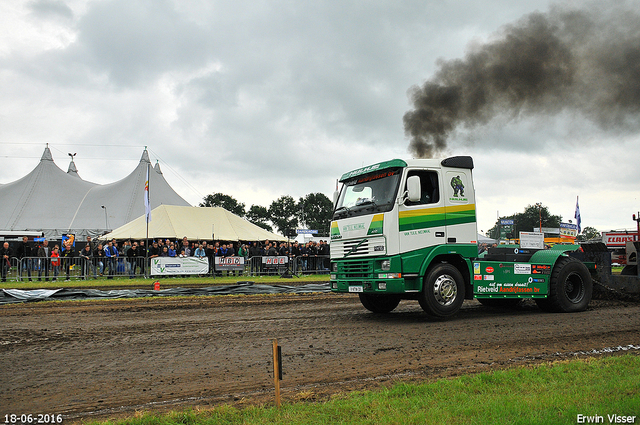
(184, 247)
(221, 251)
(200, 252)
(254, 257)
(87, 262)
(295, 254)
(165, 251)
(67, 254)
(126, 246)
(23, 252)
(55, 262)
(92, 244)
(185, 251)
(271, 250)
(172, 250)
(211, 253)
(312, 252)
(231, 252)
(111, 258)
(304, 256)
(154, 250)
(142, 252)
(98, 255)
(132, 257)
(44, 252)
(323, 253)
(5, 257)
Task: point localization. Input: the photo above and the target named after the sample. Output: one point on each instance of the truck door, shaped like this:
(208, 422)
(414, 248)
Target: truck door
(422, 223)
(460, 208)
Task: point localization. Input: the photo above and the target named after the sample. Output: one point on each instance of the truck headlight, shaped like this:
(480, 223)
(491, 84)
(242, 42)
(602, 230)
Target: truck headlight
(385, 265)
(334, 267)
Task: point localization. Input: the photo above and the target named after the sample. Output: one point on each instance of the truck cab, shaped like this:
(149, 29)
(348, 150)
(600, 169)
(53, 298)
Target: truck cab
(406, 229)
(392, 220)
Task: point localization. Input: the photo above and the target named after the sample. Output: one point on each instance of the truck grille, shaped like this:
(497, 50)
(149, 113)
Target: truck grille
(357, 269)
(370, 246)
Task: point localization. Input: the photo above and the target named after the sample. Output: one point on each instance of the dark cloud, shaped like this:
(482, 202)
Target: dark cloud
(46, 9)
(135, 42)
(586, 60)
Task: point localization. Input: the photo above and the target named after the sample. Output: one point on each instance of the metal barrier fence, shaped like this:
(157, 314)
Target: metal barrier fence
(77, 268)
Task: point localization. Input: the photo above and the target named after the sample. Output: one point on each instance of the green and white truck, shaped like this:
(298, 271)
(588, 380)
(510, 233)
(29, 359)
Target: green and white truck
(406, 229)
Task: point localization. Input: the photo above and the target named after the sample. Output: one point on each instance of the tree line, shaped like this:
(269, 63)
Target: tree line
(311, 212)
(532, 217)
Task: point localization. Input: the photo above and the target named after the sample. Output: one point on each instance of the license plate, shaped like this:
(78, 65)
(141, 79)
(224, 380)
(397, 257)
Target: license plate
(356, 289)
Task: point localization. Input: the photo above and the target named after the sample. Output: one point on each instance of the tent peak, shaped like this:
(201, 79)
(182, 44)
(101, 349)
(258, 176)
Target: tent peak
(73, 170)
(46, 156)
(157, 168)
(145, 156)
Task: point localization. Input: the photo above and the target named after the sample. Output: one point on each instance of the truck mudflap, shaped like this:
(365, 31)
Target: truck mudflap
(627, 284)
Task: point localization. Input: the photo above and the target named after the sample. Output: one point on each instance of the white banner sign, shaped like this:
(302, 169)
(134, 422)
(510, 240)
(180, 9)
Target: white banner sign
(530, 240)
(275, 261)
(179, 265)
(229, 263)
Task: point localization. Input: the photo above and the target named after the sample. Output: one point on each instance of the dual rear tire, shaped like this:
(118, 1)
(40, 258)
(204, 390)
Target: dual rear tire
(570, 287)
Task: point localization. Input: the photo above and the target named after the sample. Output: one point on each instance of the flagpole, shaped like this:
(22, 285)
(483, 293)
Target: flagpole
(146, 213)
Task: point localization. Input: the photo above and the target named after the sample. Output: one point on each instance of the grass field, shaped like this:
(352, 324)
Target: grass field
(554, 393)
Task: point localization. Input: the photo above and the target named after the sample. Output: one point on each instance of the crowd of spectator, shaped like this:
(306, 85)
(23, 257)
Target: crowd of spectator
(111, 258)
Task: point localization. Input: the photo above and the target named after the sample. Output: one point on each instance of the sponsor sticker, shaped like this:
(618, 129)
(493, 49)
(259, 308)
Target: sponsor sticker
(488, 277)
(522, 268)
(477, 277)
(489, 269)
(476, 268)
(540, 269)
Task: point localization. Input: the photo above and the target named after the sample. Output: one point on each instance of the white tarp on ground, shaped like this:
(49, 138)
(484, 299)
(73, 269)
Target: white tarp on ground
(54, 202)
(196, 223)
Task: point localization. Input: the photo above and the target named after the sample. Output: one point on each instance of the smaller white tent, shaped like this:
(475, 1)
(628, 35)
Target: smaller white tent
(485, 239)
(196, 223)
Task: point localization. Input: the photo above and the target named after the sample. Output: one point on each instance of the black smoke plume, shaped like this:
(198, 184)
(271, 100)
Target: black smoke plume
(586, 61)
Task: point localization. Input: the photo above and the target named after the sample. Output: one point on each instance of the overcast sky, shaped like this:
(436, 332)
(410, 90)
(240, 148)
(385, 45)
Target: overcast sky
(259, 99)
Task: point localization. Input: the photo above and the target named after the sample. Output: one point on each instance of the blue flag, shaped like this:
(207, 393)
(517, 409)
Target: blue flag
(577, 216)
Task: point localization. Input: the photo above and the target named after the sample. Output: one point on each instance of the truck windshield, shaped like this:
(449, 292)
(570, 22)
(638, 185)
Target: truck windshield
(367, 194)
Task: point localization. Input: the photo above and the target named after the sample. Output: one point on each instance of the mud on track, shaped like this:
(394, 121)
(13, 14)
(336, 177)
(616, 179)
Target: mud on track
(108, 358)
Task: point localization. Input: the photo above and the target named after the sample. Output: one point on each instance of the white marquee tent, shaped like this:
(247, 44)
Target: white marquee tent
(54, 202)
(196, 223)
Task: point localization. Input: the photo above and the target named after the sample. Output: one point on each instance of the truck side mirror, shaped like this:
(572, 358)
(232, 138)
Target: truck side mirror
(413, 189)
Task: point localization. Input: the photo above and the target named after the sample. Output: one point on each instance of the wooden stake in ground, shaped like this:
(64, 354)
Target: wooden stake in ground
(277, 369)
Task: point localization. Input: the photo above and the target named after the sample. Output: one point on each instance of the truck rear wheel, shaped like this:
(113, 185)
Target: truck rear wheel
(379, 303)
(570, 287)
(443, 291)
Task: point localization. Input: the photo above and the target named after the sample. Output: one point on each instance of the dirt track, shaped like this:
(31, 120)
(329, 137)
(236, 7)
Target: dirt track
(107, 358)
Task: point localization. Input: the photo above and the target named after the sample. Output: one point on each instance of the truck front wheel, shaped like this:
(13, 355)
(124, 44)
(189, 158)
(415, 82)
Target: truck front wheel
(443, 291)
(379, 303)
(570, 287)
